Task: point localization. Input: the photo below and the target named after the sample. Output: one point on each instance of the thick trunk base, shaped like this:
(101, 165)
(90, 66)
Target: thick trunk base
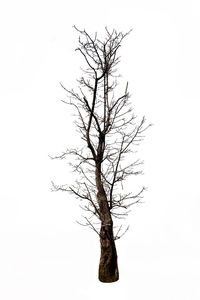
(107, 276)
(108, 267)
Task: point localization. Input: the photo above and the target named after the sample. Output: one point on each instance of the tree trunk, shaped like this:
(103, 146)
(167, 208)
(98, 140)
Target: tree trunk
(108, 268)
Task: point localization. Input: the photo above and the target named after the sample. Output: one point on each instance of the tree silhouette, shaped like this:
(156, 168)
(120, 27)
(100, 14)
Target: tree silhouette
(109, 131)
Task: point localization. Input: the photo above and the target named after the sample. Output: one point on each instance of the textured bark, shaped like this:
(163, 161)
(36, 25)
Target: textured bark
(108, 267)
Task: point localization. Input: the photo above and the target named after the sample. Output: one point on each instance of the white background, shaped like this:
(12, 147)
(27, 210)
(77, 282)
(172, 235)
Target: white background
(44, 253)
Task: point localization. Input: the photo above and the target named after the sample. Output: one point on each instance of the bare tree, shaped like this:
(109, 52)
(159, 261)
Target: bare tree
(109, 131)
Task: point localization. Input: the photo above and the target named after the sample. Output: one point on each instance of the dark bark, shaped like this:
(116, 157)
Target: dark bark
(108, 267)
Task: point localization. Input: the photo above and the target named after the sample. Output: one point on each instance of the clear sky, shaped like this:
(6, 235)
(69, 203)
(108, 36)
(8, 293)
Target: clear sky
(44, 253)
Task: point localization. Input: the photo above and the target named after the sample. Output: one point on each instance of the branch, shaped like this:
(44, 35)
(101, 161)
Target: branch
(90, 225)
(117, 235)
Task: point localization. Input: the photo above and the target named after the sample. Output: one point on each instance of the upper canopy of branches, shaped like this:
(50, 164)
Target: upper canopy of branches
(108, 127)
(100, 56)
